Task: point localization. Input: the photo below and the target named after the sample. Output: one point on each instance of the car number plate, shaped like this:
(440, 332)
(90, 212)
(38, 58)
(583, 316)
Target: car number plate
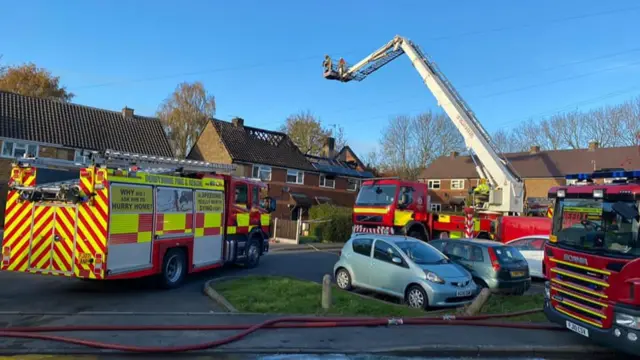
(463, 292)
(577, 329)
(517, 273)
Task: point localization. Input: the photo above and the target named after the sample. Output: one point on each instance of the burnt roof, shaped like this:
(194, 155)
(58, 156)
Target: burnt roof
(336, 166)
(544, 164)
(78, 126)
(259, 146)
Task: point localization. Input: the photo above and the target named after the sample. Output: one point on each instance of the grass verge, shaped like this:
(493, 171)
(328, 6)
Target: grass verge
(272, 294)
(282, 295)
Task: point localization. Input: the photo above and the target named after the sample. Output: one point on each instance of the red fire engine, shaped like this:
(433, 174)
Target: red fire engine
(131, 215)
(592, 258)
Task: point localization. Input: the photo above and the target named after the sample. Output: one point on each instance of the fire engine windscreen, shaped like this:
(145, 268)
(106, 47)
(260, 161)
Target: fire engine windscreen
(46, 176)
(597, 225)
(376, 195)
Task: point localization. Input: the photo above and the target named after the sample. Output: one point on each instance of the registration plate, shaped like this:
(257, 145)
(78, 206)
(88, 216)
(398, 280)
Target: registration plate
(517, 273)
(461, 293)
(577, 329)
(85, 258)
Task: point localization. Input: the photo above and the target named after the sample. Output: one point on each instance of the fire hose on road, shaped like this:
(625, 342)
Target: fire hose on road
(37, 333)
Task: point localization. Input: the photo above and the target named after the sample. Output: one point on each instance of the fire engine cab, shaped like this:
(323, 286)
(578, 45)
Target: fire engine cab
(130, 215)
(592, 259)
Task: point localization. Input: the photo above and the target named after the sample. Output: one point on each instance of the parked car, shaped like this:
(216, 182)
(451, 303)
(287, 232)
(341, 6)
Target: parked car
(532, 248)
(405, 268)
(493, 265)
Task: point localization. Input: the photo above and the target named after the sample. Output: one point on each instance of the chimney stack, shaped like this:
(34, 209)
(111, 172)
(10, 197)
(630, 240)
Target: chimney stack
(593, 145)
(534, 149)
(328, 148)
(127, 113)
(454, 154)
(237, 122)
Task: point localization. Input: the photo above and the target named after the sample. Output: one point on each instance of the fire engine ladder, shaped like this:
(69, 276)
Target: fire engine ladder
(63, 190)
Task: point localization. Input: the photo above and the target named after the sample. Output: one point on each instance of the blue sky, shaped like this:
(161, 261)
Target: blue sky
(511, 60)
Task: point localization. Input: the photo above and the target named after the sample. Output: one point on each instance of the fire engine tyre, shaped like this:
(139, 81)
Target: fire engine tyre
(417, 234)
(252, 258)
(174, 269)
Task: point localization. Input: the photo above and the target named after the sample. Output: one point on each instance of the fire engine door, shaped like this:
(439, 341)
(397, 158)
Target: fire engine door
(53, 232)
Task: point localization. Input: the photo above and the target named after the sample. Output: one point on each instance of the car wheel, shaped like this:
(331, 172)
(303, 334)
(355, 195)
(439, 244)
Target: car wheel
(417, 298)
(481, 284)
(343, 279)
(252, 254)
(174, 269)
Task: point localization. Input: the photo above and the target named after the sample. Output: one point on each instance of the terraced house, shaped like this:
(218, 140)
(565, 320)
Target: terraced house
(54, 129)
(297, 181)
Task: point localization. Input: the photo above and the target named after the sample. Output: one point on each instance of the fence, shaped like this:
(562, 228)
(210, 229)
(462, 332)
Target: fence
(291, 230)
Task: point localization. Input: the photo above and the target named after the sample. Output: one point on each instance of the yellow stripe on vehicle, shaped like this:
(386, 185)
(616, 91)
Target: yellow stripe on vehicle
(242, 219)
(604, 272)
(579, 288)
(402, 217)
(144, 236)
(583, 298)
(579, 277)
(124, 224)
(444, 218)
(579, 318)
(212, 220)
(231, 230)
(265, 219)
(370, 210)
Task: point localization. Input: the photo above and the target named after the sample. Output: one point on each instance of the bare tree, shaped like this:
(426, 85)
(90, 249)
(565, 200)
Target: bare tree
(306, 131)
(630, 118)
(398, 146)
(184, 115)
(505, 141)
(435, 136)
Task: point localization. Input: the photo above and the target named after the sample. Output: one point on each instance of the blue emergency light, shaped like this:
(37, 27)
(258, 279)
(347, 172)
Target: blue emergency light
(605, 174)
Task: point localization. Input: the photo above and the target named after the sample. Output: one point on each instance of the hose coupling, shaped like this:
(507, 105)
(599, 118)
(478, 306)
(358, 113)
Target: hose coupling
(394, 321)
(448, 317)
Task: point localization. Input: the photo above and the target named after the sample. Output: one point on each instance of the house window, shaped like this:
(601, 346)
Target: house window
(433, 184)
(457, 184)
(262, 172)
(12, 149)
(295, 177)
(436, 207)
(328, 183)
(79, 158)
(353, 184)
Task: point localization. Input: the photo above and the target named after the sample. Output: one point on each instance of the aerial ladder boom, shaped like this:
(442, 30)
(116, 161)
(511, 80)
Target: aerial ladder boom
(507, 187)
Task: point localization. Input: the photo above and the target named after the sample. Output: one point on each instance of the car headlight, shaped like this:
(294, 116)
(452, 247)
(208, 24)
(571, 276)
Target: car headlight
(433, 277)
(627, 321)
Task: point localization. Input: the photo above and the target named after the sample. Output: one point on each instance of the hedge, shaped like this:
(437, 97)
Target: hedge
(337, 229)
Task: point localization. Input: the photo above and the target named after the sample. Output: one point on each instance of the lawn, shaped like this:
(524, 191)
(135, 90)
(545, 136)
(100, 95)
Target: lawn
(272, 294)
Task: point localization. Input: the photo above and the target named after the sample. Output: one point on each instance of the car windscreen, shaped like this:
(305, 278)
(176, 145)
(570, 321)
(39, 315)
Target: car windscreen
(421, 253)
(508, 254)
(376, 195)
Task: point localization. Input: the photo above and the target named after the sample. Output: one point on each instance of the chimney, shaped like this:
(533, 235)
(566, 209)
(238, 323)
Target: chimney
(127, 113)
(593, 145)
(454, 154)
(237, 122)
(534, 149)
(328, 148)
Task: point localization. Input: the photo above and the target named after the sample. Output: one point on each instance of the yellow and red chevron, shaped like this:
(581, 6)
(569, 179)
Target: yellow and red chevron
(17, 221)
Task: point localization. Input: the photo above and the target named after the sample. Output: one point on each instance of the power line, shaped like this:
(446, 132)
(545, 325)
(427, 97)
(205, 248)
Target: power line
(307, 58)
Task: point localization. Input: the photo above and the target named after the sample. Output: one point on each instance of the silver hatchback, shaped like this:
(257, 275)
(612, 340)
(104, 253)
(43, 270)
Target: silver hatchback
(403, 267)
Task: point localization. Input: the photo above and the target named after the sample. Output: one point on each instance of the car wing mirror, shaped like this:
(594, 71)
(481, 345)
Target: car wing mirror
(396, 260)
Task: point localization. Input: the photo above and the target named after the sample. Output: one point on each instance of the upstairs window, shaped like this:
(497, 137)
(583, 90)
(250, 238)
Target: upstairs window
(295, 177)
(12, 149)
(353, 185)
(433, 184)
(457, 184)
(262, 172)
(327, 183)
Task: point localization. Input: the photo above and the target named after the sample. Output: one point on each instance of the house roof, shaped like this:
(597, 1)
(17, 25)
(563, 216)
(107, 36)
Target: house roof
(544, 164)
(335, 166)
(78, 126)
(259, 146)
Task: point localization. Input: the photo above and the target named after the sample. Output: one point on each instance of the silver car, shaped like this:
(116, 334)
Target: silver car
(403, 267)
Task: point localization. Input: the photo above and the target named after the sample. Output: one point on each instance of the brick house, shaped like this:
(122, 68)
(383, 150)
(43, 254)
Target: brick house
(297, 181)
(54, 129)
(451, 177)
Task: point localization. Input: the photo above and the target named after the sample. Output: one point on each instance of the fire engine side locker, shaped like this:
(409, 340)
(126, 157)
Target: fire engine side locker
(130, 227)
(52, 242)
(209, 217)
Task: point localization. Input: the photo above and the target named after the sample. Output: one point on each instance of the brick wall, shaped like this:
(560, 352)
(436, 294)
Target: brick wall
(540, 187)
(209, 147)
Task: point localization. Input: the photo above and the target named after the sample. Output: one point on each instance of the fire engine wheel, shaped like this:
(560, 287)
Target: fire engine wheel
(418, 235)
(174, 268)
(252, 258)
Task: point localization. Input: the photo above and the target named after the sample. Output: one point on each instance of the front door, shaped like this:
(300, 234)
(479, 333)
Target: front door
(53, 230)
